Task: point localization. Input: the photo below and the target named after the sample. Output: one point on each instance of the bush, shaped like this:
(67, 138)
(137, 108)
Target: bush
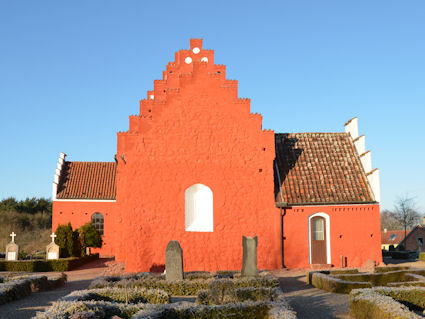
(65, 240)
(422, 256)
(89, 237)
(332, 284)
(130, 295)
(184, 287)
(18, 288)
(63, 264)
(400, 255)
(100, 309)
(382, 302)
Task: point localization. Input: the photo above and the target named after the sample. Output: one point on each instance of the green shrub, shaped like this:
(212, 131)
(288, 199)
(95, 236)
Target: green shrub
(89, 237)
(127, 295)
(332, 284)
(388, 269)
(211, 297)
(382, 279)
(377, 303)
(63, 264)
(184, 287)
(19, 287)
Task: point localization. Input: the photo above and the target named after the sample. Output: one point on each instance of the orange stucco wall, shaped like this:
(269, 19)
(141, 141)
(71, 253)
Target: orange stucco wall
(193, 129)
(198, 132)
(354, 233)
(80, 212)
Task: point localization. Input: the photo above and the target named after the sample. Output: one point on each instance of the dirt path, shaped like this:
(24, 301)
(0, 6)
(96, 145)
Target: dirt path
(310, 302)
(77, 279)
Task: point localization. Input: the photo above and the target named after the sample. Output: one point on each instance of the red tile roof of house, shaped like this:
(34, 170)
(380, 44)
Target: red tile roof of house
(392, 237)
(87, 180)
(319, 168)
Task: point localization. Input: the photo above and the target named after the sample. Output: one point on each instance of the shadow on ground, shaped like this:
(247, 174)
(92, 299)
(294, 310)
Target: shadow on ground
(312, 303)
(27, 307)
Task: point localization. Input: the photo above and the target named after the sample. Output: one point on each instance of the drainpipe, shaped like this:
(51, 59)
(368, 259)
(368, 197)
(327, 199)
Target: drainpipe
(282, 249)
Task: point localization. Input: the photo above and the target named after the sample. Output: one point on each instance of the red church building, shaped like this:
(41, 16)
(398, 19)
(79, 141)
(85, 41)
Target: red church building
(196, 166)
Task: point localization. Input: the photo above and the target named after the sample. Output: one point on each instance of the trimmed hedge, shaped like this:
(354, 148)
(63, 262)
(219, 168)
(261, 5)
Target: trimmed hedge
(384, 302)
(184, 287)
(104, 309)
(336, 285)
(344, 283)
(383, 278)
(63, 264)
(131, 295)
(21, 287)
(97, 309)
(392, 268)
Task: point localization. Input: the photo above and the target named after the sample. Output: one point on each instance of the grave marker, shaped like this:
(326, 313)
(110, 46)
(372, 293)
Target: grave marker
(173, 261)
(249, 264)
(12, 249)
(52, 249)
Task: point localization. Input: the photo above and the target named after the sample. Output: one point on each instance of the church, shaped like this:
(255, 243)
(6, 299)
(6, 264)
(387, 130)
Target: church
(196, 166)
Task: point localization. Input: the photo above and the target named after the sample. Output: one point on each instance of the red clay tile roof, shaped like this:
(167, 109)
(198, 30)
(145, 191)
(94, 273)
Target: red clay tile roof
(319, 168)
(87, 180)
(387, 238)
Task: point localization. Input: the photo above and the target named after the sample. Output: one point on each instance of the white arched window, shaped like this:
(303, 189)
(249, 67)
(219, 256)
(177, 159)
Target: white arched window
(199, 208)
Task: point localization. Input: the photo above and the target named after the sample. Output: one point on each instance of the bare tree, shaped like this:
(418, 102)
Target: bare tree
(406, 212)
(389, 220)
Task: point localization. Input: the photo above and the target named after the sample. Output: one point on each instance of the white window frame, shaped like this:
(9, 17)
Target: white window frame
(328, 236)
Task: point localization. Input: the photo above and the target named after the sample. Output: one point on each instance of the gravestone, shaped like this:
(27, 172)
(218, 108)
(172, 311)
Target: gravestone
(52, 249)
(12, 249)
(249, 264)
(173, 261)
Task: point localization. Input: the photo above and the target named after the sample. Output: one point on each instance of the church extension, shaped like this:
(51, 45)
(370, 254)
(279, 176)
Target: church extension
(196, 166)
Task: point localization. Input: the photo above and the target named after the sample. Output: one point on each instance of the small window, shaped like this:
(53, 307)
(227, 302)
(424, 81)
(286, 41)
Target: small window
(98, 221)
(199, 208)
(318, 229)
(420, 241)
(393, 236)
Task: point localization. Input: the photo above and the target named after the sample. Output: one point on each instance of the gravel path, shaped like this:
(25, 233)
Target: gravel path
(310, 302)
(77, 279)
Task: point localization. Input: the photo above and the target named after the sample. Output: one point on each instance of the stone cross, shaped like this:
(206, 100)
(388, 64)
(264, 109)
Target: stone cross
(13, 235)
(53, 235)
(173, 261)
(249, 264)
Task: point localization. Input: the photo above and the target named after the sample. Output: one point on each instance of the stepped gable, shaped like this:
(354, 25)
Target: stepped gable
(87, 181)
(319, 168)
(195, 65)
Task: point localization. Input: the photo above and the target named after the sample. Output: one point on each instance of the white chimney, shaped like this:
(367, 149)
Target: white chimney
(373, 178)
(366, 159)
(360, 144)
(352, 127)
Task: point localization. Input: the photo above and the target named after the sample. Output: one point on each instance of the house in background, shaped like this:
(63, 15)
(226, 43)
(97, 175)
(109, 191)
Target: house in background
(415, 239)
(196, 166)
(392, 237)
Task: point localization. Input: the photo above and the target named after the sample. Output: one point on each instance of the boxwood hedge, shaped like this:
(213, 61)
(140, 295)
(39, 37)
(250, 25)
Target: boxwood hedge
(385, 302)
(63, 264)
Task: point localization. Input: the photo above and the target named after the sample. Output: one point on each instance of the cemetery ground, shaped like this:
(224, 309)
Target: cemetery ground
(306, 300)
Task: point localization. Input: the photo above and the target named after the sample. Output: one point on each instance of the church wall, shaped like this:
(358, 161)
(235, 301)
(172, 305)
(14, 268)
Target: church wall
(80, 212)
(202, 134)
(354, 233)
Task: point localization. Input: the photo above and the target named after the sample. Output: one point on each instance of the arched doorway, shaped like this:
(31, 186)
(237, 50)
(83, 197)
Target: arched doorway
(319, 239)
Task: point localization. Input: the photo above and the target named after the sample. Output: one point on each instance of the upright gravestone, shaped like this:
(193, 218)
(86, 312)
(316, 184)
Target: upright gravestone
(173, 261)
(249, 264)
(12, 249)
(52, 249)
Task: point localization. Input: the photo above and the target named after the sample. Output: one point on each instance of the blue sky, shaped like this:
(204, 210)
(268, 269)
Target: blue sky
(71, 72)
